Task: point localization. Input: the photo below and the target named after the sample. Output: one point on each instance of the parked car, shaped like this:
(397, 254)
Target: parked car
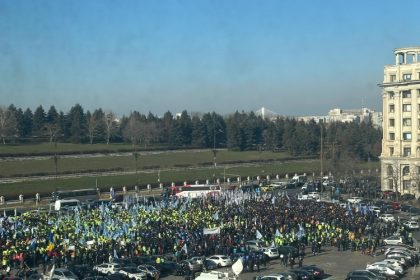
(317, 273)
(393, 240)
(221, 260)
(254, 245)
(302, 274)
(107, 268)
(170, 268)
(133, 273)
(354, 199)
(411, 225)
(210, 264)
(64, 274)
(407, 196)
(387, 218)
(271, 277)
(271, 253)
(358, 274)
(192, 265)
(149, 270)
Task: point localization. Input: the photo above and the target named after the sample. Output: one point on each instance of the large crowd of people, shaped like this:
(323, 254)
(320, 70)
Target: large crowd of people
(178, 228)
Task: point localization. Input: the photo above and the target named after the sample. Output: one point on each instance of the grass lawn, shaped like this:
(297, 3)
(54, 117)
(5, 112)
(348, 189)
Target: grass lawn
(154, 160)
(12, 190)
(62, 148)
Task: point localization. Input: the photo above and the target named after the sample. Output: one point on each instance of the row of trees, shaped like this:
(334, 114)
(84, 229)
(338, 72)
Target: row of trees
(239, 131)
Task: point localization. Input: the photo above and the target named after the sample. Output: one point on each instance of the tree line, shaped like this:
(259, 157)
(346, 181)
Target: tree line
(240, 131)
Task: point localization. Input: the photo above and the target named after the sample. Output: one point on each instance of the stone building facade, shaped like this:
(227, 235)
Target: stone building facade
(400, 158)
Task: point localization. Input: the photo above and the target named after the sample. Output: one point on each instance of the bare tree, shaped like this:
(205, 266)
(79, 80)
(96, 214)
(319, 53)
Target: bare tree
(415, 179)
(110, 125)
(7, 123)
(52, 130)
(394, 177)
(93, 123)
(133, 130)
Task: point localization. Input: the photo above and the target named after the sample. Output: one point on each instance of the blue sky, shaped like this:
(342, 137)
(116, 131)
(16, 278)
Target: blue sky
(294, 57)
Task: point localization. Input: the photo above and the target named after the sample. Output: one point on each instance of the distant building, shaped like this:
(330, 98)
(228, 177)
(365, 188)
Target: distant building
(343, 115)
(400, 158)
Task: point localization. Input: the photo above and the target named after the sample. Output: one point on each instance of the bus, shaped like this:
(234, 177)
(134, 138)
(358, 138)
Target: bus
(81, 195)
(194, 191)
(66, 204)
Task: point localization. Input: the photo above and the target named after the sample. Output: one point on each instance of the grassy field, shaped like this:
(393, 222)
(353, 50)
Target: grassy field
(155, 160)
(47, 186)
(44, 148)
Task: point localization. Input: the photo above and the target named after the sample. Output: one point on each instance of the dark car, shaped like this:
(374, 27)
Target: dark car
(288, 250)
(317, 272)
(81, 270)
(209, 264)
(405, 207)
(116, 276)
(364, 273)
(95, 278)
(379, 273)
(170, 268)
(407, 196)
(142, 260)
(302, 274)
(123, 262)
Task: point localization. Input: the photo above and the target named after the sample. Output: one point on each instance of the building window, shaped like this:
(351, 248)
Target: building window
(391, 136)
(407, 135)
(391, 122)
(393, 78)
(392, 108)
(406, 184)
(391, 184)
(389, 170)
(391, 151)
(406, 107)
(406, 170)
(407, 122)
(407, 152)
(418, 91)
(391, 94)
(406, 94)
(407, 77)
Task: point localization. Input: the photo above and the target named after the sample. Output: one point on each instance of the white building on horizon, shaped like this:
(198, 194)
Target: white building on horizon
(347, 115)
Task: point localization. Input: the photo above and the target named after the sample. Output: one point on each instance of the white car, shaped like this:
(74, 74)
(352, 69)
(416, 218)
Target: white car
(149, 270)
(412, 225)
(393, 265)
(303, 197)
(272, 253)
(354, 199)
(314, 195)
(133, 273)
(271, 277)
(387, 218)
(64, 274)
(221, 260)
(107, 268)
(375, 209)
(393, 240)
(383, 268)
(199, 260)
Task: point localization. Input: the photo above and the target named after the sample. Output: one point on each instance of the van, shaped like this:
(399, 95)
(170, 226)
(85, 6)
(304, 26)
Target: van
(66, 204)
(254, 245)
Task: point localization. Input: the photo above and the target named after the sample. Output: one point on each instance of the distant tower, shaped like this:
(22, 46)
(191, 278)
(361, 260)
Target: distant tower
(400, 158)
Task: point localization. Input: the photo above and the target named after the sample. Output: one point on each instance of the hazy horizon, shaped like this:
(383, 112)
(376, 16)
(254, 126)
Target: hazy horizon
(296, 58)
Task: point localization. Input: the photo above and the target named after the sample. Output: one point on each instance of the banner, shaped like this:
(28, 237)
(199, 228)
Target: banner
(215, 230)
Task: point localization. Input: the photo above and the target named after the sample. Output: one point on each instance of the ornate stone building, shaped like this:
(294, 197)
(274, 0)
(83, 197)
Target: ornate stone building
(400, 158)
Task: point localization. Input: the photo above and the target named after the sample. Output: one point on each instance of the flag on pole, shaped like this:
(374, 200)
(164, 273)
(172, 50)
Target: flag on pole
(258, 234)
(278, 233)
(184, 248)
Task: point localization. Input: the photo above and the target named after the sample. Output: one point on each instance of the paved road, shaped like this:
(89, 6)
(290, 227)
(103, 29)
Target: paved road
(335, 264)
